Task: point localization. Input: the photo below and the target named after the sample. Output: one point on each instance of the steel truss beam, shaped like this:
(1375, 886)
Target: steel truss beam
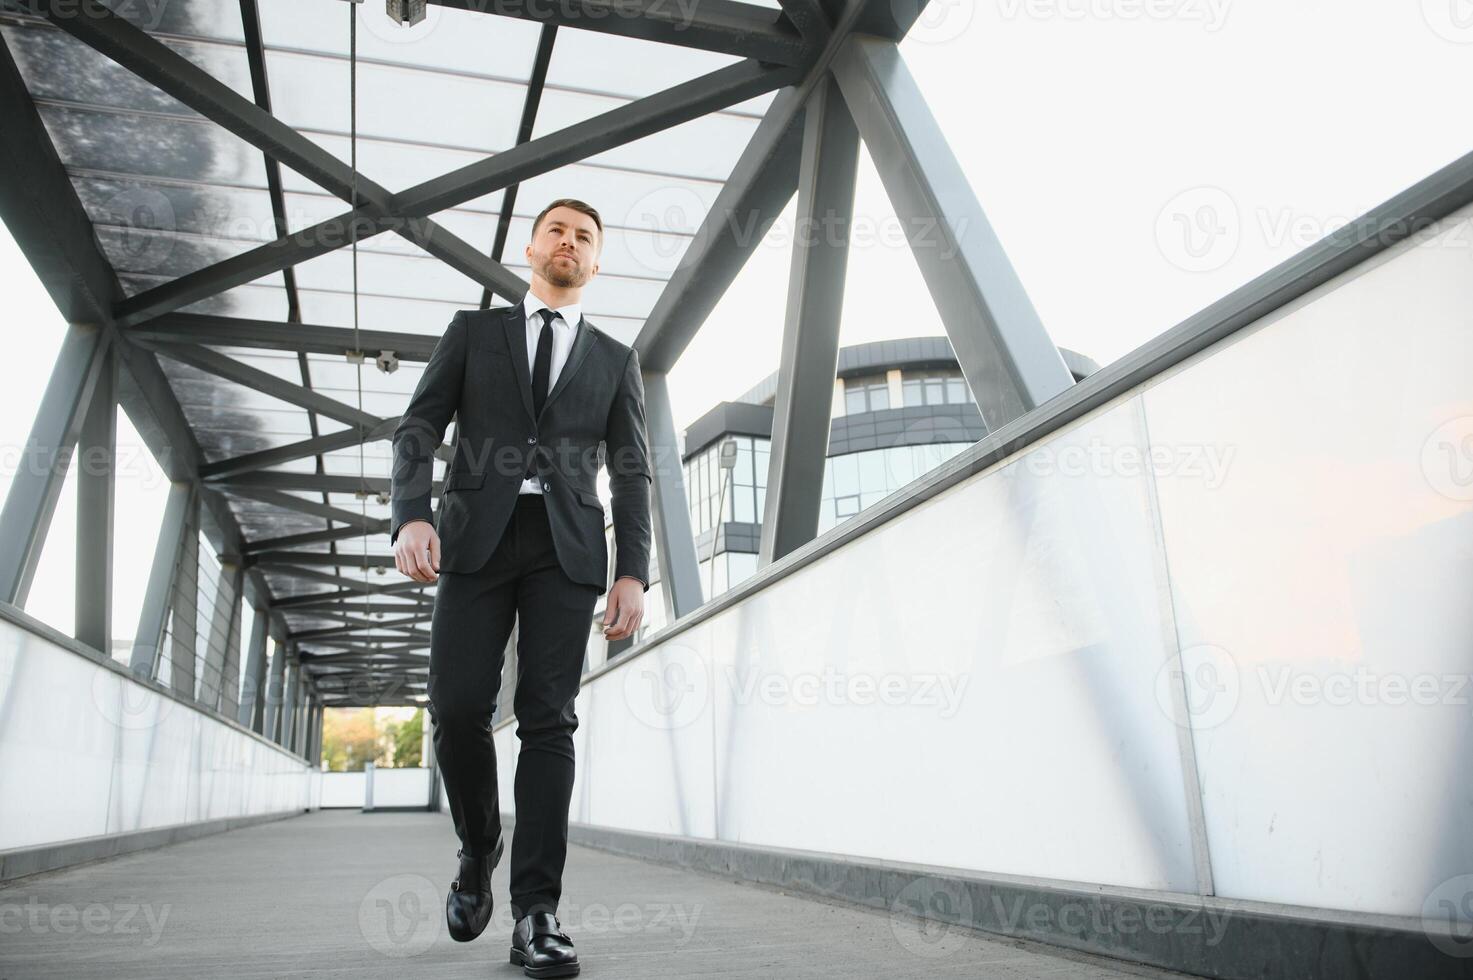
(741, 29)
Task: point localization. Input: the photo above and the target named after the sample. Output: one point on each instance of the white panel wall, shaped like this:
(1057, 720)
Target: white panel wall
(1070, 665)
(86, 751)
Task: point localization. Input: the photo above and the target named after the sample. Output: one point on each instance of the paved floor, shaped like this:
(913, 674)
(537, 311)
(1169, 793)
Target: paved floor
(340, 893)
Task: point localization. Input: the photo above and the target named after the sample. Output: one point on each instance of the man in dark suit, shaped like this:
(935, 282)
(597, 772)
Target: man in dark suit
(519, 536)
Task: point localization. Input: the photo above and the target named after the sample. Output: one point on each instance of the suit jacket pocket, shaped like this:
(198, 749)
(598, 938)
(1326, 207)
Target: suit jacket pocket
(590, 498)
(465, 481)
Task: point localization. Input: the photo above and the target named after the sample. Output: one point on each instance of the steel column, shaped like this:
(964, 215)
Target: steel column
(253, 686)
(810, 350)
(96, 508)
(38, 480)
(676, 548)
(174, 528)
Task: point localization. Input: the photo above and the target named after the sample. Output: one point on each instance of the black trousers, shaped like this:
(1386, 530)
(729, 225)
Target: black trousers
(474, 612)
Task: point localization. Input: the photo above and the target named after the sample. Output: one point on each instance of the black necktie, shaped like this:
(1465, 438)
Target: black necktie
(541, 369)
(542, 364)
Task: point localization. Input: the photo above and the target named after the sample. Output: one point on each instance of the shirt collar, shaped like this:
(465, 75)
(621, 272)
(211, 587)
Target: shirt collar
(571, 313)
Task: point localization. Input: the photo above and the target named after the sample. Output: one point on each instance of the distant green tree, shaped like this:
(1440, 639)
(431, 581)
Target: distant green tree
(349, 738)
(409, 740)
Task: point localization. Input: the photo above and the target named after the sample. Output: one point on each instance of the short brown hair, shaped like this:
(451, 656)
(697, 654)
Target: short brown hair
(576, 205)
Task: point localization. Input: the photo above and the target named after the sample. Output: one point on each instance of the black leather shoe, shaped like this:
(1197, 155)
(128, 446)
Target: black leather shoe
(541, 948)
(468, 906)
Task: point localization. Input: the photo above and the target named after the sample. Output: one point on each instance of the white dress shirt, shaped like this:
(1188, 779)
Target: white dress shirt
(564, 326)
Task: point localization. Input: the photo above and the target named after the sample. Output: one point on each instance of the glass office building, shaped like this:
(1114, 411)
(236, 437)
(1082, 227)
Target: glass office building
(900, 409)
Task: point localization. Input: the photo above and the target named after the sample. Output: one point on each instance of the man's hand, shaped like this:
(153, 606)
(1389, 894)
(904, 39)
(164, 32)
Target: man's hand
(417, 551)
(625, 608)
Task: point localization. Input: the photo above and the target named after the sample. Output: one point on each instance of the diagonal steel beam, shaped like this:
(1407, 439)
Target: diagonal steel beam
(315, 508)
(635, 120)
(380, 526)
(741, 29)
(1009, 361)
(536, 82)
(150, 59)
(313, 482)
(273, 558)
(761, 184)
(261, 459)
(338, 600)
(213, 362)
(42, 212)
(207, 328)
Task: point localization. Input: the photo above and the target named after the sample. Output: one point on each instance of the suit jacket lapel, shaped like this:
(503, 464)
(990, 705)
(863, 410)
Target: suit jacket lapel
(515, 324)
(582, 343)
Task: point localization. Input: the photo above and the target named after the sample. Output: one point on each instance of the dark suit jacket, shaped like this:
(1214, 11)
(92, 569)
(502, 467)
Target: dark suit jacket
(478, 372)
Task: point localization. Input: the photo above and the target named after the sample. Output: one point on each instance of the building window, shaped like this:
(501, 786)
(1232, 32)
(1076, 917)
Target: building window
(746, 484)
(934, 388)
(867, 394)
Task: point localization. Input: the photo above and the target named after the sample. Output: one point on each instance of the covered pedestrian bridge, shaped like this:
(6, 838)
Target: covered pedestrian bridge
(1166, 672)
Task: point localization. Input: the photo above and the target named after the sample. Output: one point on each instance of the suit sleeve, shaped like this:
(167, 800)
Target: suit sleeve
(628, 462)
(422, 427)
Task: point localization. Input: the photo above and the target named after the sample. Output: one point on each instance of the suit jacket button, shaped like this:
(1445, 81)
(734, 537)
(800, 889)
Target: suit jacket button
(547, 484)
(531, 440)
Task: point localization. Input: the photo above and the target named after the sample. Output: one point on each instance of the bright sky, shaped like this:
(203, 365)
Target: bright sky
(1137, 158)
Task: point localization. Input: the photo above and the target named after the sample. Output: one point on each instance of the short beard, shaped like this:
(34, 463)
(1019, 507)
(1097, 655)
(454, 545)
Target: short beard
(562, 280)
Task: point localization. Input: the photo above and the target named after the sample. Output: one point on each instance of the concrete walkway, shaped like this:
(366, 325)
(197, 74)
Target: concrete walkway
(340, 893)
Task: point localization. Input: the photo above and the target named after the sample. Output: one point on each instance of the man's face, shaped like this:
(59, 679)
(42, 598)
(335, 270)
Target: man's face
(565, 248)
